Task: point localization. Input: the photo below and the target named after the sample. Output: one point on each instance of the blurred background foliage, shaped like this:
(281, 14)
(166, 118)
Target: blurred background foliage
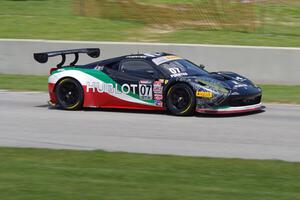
(202, 14)
(240, 22)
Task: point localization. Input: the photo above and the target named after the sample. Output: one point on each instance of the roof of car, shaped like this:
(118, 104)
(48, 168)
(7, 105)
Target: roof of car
(149, 56)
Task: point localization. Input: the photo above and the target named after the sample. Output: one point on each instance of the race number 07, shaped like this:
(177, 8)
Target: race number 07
(174, 70)
(145, 90)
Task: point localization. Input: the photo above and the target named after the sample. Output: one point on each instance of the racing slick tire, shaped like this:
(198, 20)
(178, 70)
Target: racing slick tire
(69, 94)
(181, 100)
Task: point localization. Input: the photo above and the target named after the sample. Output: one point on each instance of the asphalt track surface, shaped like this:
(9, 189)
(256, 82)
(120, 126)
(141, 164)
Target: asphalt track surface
(26, 121)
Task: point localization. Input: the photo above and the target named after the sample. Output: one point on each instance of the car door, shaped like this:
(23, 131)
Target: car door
(142, 78)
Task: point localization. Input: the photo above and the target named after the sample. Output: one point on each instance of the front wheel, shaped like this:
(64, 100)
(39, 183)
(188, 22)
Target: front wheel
(69, 94)
(181, 100)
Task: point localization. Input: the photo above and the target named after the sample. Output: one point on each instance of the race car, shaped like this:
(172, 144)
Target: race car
(157, 81)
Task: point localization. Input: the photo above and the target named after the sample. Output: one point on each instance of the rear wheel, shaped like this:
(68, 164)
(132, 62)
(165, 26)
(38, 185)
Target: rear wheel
(181, 100)
(69, 94)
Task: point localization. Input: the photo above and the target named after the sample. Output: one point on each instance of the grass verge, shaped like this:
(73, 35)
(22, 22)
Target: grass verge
(63, 174)
(23, 82)
(281, 93)
(55, 19)
(271, 93)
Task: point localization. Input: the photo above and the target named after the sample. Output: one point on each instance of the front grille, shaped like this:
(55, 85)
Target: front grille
(241, 101)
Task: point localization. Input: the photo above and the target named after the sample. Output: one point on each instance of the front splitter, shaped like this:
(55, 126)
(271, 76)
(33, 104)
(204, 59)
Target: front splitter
(231, 110)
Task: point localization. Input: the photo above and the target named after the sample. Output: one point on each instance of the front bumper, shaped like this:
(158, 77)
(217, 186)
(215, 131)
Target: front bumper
(231, 110)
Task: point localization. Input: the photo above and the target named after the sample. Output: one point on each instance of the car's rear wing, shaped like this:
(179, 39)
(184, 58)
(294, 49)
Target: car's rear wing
(43, 57)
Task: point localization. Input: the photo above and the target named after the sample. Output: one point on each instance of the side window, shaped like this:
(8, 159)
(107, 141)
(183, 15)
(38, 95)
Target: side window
(138, 68)
(113, 65)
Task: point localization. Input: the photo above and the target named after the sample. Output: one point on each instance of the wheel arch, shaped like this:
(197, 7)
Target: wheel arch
(166, 90)
(74, 79)
(63, 78)
(190, 109)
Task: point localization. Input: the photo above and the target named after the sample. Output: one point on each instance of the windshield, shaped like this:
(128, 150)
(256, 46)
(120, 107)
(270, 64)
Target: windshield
(177, 68)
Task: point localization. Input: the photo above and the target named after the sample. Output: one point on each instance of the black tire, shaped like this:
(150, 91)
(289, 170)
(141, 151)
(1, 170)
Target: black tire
(181, 100)
(69, 94)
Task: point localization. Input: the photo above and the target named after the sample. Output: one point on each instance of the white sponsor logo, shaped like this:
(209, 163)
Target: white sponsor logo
(238, 85)
(240, 79)
(179, 74)
(99, 68)
(110, 88)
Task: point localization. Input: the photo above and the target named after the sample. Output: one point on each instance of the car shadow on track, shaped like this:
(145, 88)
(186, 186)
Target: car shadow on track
(131, 111)
(113, 110)
(117, 110)
(229, 115)
(169, 114)
(42, 106)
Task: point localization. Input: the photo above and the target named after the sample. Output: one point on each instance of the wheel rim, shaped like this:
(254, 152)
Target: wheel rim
(68, 94)
(180, 99)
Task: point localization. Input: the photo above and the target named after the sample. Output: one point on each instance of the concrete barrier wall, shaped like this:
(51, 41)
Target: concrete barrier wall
(261, 64)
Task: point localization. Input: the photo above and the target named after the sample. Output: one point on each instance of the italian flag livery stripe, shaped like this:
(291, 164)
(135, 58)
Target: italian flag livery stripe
(101, 91)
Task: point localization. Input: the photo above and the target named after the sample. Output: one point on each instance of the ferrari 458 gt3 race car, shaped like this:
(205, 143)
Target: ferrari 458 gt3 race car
(158, 81)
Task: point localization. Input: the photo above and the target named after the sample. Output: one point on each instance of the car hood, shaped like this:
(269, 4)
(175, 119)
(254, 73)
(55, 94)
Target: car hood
(221, 81)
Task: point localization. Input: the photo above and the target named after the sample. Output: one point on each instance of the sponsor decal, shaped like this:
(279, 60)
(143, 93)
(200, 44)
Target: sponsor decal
(240, 79)
(235, 93)
(172, 57)
(204, 94)
(99, 68)
(158, 83)
(238, 85)
(161, 60)
(158, 103)
(145, 82)
(241, 85)
(145, 90)
(179, 74)
(110, 88)
(157, 87)
(176, 72)
(158, 97)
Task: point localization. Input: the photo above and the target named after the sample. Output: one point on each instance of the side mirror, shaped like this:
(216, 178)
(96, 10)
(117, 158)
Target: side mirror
(202, 66)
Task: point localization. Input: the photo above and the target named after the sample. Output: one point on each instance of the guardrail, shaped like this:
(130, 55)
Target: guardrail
(262, 64)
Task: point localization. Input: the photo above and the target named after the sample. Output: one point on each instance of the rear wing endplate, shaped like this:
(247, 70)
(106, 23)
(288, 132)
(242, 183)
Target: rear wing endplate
(43, 57)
